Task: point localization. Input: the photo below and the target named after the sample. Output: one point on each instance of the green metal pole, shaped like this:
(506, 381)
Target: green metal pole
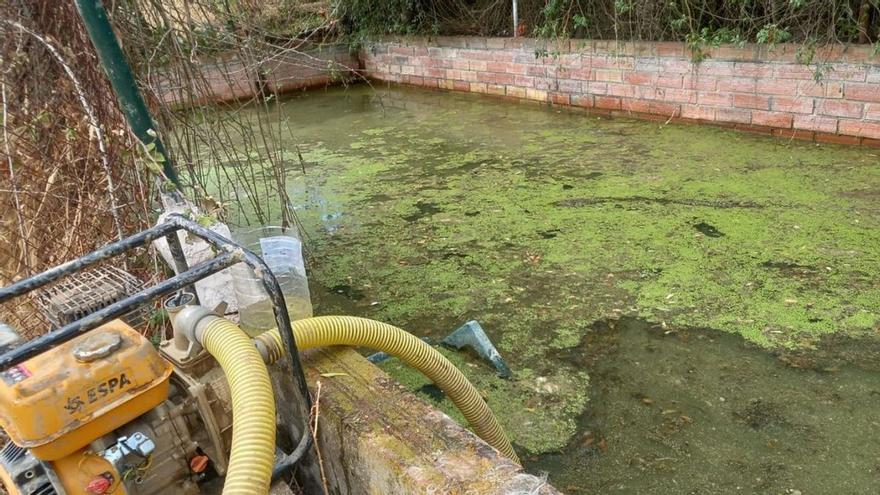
(97, 24)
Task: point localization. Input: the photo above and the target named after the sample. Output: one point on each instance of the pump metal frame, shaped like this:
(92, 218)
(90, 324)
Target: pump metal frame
(229, 253)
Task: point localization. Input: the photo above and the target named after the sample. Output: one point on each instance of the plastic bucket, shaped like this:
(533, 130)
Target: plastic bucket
(281, 249)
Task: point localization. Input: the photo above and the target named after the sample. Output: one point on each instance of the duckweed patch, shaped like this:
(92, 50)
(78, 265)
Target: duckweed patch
(437, 208)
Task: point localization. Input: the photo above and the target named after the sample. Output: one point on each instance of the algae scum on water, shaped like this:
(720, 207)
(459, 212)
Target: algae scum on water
(426, 209)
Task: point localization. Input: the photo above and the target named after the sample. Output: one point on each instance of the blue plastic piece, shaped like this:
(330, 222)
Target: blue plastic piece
(472, 335)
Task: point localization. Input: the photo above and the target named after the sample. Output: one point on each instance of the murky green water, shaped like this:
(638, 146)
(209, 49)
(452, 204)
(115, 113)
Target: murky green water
(426, 209)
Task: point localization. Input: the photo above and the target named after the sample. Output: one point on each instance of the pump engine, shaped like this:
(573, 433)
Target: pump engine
(106, 411)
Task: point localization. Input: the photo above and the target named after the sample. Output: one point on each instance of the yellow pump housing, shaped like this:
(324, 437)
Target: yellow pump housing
(58, 402)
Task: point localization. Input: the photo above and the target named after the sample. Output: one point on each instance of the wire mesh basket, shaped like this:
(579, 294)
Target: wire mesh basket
(87, 291)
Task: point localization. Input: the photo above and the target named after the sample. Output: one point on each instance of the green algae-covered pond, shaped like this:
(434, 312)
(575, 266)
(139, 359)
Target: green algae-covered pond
(685, 309)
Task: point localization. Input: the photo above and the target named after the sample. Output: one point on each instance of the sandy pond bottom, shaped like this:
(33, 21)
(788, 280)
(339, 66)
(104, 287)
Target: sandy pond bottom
(591, 250)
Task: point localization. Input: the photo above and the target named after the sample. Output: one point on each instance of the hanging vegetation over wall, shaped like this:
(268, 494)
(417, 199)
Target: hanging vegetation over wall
(695, 21)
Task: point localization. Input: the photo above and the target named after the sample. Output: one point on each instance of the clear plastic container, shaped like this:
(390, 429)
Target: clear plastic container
(281, 249)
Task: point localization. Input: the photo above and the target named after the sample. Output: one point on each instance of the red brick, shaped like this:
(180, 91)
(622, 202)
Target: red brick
(669, 80)
(502, 56)
(608, 102)
(847, 72)
(536, 70)
(815, 123)
(793, 105)
(585, 101)
(837, 139)
(495, 89)
(676, 66)
(827, 89)
(862, 92)
(495, 43)
(461, 86)
(460, 64)
(697, 112)
(733, 52)
(624, 90)
(737, 84)
(715, 68)
(872, 111)
(859, 128)
(560, 98)
(402, 50)
(769, 86)
(702, 83)
(680, 95)
(833, 90)
(860, 54)
(733, 115)
(477, 65)
(771, 119)
(516, 92)
(794, 134)
(753, 69)
(670, 49)
(649, 92)
(443, 63)
(569, 85)
(643, 78)
(840, 108)
(751, 101)
(496, 78)
(874, 143)
(610, 62)
(795, 72)
(525, 81)
(581, 74)
(594, 88)
(650, 107)
(536, 94)
(608, 75)
(716, 99)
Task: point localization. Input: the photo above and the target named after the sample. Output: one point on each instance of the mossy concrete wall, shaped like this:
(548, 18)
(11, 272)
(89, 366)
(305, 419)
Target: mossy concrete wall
(829, 94)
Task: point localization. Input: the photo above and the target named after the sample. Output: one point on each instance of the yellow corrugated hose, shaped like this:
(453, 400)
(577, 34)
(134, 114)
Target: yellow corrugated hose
(361, 332)
(253, 406)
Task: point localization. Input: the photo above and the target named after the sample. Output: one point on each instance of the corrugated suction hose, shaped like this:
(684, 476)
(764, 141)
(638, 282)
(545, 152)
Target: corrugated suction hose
(361, 332)
(253, 405)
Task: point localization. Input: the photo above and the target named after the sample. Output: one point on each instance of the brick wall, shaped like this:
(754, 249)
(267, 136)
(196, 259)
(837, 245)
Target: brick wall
(228, 79)
(755, 88)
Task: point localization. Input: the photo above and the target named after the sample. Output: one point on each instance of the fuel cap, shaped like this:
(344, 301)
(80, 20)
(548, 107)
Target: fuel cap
(97, 346)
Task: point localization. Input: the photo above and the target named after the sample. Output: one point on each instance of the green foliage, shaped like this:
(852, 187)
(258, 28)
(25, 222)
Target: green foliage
(806, 52)
(772, 34)
(706, 37)
(362, 18)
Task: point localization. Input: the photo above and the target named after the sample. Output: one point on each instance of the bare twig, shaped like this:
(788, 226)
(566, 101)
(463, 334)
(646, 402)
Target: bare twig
(315, 413)
(18, 211)
(93, 121)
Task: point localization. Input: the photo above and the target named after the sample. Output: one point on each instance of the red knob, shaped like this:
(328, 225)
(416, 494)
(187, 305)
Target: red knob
(99, 484)
(199, 463)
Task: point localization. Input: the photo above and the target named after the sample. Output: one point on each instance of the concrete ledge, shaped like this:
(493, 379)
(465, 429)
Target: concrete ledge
(377, 438)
